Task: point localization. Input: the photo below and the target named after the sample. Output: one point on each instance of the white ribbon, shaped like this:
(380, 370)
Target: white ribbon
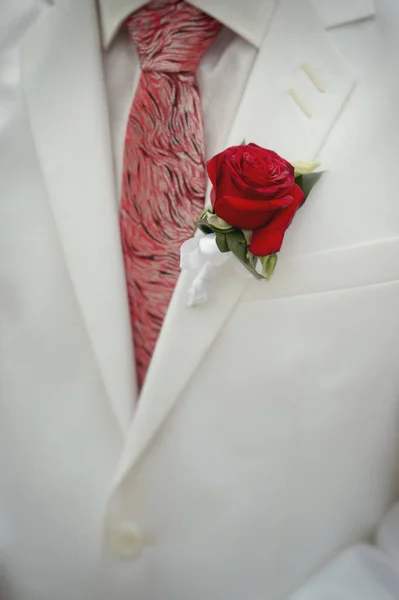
(201, 253)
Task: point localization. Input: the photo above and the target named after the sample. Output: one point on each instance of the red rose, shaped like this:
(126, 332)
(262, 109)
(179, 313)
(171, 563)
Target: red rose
(255, 189)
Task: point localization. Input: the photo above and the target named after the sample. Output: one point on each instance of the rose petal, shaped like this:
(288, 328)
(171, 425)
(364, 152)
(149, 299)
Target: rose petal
(269, 239)
(298, 195)
(273, 155)
(216, 162)
(232, 184)
(212, 166)
(213, 197)
(248, 214)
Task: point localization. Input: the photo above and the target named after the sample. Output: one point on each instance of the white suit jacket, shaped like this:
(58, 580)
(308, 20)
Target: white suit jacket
(266, 435)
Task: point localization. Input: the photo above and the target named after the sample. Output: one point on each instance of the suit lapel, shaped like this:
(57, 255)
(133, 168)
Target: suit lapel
(187, 335)
(272, 114)
(298, 86)
(66, 101)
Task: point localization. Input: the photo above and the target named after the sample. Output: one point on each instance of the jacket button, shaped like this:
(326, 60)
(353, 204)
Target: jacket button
(126, 540)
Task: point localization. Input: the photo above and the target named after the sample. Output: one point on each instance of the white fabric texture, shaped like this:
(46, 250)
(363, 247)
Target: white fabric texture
(259, 451)
(16, 18)
(387, 535)
(342, 12)
(248, 19)
(361, 573)
(316, 440)
(31, 254)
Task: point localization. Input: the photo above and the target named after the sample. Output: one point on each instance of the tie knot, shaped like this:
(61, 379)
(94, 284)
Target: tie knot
(171, 37)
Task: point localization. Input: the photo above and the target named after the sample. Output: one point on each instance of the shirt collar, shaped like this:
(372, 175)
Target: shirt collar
(248, 18)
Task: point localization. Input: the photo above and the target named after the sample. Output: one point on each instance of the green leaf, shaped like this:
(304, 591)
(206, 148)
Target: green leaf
(307, 182)
(271, 265)
(263, 261)
(238, 246)
(218, 225)
(299, 181)
(250, 267)
(252, 261)
(268, 265)
(205, 213)
(248, 235)
(254, 272)
(221, 242)
(203, 226)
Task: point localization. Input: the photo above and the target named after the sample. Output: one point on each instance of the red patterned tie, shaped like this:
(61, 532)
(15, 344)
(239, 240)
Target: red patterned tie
(164, 179)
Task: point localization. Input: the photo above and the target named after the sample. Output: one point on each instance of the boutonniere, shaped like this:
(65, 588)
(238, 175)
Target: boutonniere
(255, 196)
